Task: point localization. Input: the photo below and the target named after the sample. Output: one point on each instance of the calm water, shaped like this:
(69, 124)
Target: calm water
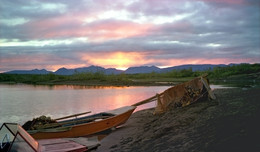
(19, 103)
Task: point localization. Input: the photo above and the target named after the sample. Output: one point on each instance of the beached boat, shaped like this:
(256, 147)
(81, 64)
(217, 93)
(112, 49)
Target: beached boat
(84, 126)
(14, 138)
(181, 95)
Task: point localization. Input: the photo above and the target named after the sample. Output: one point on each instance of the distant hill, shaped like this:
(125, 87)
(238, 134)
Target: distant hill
(35, 71)
(131, 70)
(142, 69)
(90, 69)
(113, 71)
(194, 67)
(64, 71)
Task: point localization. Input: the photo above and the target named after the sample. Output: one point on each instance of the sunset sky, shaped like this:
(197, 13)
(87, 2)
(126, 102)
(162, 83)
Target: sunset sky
(48, 34)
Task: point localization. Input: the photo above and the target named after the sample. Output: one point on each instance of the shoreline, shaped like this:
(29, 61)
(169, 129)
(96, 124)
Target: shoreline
(228, 123)
(170, 83)
(137, 83)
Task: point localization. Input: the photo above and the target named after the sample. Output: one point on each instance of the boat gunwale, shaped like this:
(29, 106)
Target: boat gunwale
(133, 108)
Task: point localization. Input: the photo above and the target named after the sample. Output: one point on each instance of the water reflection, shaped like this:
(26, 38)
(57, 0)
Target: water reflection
(20, 103)
(79, 87)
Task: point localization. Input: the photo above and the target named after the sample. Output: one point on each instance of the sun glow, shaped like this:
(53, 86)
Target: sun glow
(118, 60)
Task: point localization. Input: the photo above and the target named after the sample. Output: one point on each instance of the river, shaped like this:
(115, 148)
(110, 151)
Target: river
(21, 102)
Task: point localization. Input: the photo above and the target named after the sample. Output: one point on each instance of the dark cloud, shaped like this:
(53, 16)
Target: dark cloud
(59, 32)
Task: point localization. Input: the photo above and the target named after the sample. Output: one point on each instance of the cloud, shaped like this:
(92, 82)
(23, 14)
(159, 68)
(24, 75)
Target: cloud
(163, 33)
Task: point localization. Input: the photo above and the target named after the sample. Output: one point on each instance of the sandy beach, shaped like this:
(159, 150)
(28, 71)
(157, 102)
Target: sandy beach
(229, 123)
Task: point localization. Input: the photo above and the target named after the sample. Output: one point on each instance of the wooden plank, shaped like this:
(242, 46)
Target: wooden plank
(91, 142)
(75, 115)
(211, 94)
(45, 142)
(121, 110)
(146, 100)
(63, 146)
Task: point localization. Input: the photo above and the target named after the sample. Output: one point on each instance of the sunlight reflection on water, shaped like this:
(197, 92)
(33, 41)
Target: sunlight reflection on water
(19, 103)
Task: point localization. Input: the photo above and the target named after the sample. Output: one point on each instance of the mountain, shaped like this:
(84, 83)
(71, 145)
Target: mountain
(64, 71)
(142, 69)
(90, 69)
(35, 71)
(113, 71)
(131, 70)
(194, 67)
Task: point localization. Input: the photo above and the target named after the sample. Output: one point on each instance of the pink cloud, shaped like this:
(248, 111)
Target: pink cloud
(117, 30)
(70, 26)
(54, 27)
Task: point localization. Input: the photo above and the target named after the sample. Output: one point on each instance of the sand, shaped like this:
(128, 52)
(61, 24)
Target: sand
(229, 123)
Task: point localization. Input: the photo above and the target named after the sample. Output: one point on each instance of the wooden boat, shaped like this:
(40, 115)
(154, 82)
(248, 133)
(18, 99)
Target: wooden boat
(181, 95)
(14, 138)
(84, 126)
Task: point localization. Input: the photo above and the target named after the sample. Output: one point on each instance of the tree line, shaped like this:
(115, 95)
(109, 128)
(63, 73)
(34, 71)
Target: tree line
(101, 77)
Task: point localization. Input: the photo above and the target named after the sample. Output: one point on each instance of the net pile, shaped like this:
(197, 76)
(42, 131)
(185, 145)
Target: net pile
(38, 123)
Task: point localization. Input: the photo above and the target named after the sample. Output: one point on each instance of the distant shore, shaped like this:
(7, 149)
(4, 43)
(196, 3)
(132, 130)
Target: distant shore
(229, 123)
(132, 82)
(245, 73)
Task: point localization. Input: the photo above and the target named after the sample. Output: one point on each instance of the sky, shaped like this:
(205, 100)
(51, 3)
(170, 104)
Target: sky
(47, 34)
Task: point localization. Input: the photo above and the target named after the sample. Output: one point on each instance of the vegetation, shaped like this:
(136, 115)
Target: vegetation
(237, 72)
(225, 72)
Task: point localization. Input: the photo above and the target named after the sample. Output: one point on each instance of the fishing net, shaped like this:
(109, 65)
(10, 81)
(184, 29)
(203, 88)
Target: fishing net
(38, 123)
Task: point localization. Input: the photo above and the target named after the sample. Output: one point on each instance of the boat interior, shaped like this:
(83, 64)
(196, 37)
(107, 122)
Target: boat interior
(86, 119)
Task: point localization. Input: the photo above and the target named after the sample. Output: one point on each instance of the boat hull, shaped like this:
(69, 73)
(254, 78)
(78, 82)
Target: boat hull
(87, 128)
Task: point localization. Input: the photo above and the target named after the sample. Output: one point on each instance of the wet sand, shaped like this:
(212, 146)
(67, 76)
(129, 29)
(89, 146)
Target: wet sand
(229, 123)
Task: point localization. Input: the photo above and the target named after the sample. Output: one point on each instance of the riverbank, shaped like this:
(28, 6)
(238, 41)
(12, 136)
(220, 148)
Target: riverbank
(229, 123)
